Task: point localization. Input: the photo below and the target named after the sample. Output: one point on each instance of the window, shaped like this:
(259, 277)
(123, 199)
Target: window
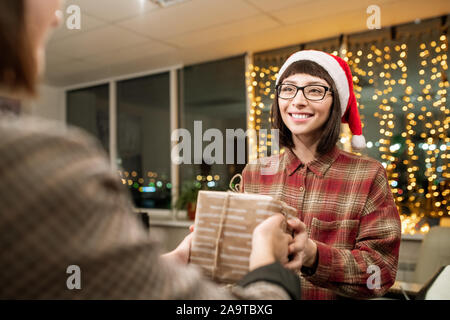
(143, 139)
(89, 109)
(213, 95)
(401, 86)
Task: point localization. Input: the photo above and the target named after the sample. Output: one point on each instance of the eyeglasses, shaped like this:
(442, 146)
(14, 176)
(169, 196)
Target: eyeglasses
(312, 92)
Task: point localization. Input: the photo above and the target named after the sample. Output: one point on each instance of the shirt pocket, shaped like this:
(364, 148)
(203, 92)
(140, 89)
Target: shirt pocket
(339, 234)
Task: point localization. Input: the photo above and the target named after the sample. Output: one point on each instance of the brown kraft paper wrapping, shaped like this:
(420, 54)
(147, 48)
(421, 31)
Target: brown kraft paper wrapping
(223, 228)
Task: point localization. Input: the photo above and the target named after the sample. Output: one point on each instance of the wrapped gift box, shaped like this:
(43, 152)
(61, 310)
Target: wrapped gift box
(224, 224)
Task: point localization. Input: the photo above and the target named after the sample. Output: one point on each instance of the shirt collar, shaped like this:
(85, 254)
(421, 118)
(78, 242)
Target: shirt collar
(318, 166)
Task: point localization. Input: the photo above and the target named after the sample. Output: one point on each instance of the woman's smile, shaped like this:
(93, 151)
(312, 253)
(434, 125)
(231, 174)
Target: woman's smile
(300, 117)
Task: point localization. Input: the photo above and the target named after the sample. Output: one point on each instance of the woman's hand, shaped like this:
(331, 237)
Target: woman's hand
(182, 252)
(270, 243)
(303, 251)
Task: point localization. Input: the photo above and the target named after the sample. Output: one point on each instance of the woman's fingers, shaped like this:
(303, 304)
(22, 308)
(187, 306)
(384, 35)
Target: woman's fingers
(281, 244)
(182, 251)
(294, 248)
(191, 228)
(296, 263)
(283, 248)
(289, 238)
(296, 225)
(299, 243)
(270, 224)
(284, 260)
(186, 243)
(277, 220)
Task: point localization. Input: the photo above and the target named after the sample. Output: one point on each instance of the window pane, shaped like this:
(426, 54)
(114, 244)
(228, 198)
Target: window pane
(89, 109)
(143, 139)
(214, 93)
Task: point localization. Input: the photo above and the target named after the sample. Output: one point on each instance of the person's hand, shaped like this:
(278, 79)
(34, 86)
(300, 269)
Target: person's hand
(269, 242)
(302, 250)
(182, 252)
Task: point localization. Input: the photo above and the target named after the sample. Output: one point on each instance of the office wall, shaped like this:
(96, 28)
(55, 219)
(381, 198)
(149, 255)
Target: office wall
(49, 104)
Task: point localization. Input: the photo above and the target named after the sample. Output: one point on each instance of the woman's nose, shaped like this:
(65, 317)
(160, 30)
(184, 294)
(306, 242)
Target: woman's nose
(299, 98)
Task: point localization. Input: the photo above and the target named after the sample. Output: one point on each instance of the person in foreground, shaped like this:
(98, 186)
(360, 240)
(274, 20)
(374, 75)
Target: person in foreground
(62, 207)
(343, 199)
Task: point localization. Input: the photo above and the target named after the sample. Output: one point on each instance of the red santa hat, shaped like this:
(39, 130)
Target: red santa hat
(340, 72)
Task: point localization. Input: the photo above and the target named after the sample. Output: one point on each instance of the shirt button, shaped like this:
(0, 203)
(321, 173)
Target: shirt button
(302, 189)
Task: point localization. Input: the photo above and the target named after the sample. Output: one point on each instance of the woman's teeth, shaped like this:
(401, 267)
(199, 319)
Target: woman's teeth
(300, 116)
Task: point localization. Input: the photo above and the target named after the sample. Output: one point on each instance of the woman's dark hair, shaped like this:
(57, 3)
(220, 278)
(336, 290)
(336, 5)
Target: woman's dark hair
(331, 128)
(18, 69)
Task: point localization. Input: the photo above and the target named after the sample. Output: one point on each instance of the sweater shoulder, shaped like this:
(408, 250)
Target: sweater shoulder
(359, 160)
(17, 131)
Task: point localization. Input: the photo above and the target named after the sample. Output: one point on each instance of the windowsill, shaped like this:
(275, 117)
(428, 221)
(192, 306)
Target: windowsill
(156, 213)
(166, 218)
(413, 237)
(171, 223)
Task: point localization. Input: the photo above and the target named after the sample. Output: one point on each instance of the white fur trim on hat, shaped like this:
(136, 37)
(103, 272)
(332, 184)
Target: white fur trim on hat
(330, 65)
(358, 142)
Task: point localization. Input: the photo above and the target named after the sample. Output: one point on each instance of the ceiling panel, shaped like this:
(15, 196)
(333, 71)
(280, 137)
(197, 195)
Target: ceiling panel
(98, 41)
(398, 12)
(97, 72)
(55, 59)
(87, 23)
(113, 10)
(269, 5)
(189, 16)
(58, 73)
(311, 10)
(225, 31)
(124, 55)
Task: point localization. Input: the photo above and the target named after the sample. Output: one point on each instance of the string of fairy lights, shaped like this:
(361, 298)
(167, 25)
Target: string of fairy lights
(152, 183)
(435, 55)
(379, 72)
(413, 122)
(156, 183)
(260, 87)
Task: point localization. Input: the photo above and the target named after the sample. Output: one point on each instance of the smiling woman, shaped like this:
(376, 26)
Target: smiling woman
(344, 200)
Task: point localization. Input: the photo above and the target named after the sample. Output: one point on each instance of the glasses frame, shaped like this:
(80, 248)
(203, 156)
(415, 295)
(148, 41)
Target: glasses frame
(302, 89)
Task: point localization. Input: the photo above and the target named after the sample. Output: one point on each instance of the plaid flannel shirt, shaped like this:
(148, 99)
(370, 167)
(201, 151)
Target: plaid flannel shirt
(348, 208)
(62, 205)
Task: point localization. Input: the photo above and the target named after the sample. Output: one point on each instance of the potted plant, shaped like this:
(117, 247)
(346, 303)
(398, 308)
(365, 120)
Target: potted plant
(187, 199)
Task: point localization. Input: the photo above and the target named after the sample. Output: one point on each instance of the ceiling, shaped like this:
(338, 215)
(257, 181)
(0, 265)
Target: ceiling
(119, 37)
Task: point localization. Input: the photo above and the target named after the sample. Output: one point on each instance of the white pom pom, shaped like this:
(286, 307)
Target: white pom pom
(358, 142)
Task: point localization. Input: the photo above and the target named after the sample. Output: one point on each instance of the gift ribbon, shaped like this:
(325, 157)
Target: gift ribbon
(219, 234)
(237, 186)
